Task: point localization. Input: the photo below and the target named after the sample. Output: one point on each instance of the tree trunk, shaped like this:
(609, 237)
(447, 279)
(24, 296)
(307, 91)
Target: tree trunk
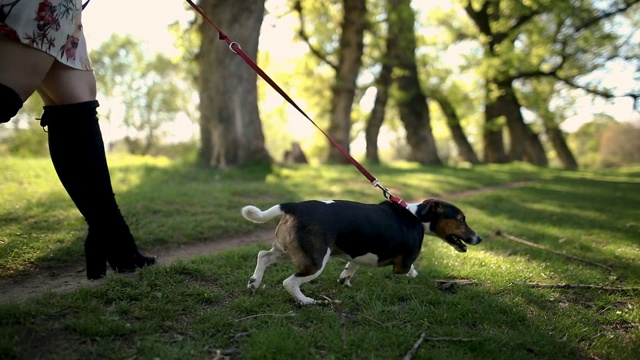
(344, 88)
(556, 137)
(374, 122)
(493, 143)
(534, 152)
(383, 82)
(457, 133)
(295, 155)
(412, 102)
(524, 144)
(518, 132)
(230, 127)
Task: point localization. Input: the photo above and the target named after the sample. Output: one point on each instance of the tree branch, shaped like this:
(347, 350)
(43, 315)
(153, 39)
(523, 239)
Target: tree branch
(522, 20)
(463, 282)
(570, 81)
(602, 93)
(528, 243)
(482, 22)
(605, 15)
(580, 286)
(305, 37)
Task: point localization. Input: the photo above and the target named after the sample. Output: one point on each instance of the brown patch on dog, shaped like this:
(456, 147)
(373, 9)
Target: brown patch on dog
(399, 269)
(446, 227)
(287, 240)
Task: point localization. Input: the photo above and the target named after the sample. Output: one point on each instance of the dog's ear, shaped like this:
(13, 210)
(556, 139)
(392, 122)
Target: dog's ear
(432, 209)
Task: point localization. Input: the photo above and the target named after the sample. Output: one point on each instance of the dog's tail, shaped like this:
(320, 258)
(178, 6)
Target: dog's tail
(256, 215)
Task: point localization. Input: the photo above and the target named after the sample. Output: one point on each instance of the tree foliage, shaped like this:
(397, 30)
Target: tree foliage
(506, 93)
(152, 90)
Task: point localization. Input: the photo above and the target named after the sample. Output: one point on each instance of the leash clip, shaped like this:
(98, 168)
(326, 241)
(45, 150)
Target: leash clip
(378, 184)
(231, 47)
(388, 195)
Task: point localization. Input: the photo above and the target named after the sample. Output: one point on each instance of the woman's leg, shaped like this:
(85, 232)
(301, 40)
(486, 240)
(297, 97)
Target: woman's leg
(65, 85)
(77, 151)
(78, 155)
(22, 69)
(76, 147)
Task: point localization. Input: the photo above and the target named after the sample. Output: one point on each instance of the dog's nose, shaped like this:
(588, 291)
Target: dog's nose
(477, 239)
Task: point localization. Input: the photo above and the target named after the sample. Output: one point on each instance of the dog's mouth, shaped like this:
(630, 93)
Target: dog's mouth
(456, 242)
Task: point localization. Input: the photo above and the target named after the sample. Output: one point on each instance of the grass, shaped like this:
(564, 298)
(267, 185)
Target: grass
(200, 308)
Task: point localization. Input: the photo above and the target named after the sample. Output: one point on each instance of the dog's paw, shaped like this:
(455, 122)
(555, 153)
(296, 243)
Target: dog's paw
(306, 301)
(326, 301)
(253, 284)
(346, 281)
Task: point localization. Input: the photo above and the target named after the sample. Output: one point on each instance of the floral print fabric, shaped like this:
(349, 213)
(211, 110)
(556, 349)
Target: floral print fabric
(53, 26)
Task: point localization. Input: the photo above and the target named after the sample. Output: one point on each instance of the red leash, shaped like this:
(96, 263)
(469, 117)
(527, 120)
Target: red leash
(235, 48)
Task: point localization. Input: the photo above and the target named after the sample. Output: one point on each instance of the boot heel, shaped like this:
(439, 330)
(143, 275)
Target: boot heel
(96, 262)
(129, 264)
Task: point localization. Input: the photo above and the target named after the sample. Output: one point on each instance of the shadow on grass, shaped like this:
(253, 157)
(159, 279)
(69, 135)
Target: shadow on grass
(163, 204)
(195, 309)
(591, 219)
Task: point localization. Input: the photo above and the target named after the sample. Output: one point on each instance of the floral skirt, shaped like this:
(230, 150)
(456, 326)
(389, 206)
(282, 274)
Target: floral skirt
(52, 26)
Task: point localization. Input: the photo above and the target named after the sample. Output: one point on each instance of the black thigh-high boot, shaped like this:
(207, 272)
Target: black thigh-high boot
(78, 155)
(10, 103)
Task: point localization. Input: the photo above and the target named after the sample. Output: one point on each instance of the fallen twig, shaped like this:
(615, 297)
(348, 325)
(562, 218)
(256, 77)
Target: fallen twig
(447, 284)
(414, 348)
(374, 320)
(528, 243)
(257, 315)
(581, 286)
(224, 354)
(423, 337)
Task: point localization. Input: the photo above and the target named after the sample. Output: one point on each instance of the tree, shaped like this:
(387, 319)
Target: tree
(449, 84)
(377, 115)
(411, 100)
(498, 24)
(346, 67)
(382, 84)
(537, 96)
(230, 126)
(465, 150)
(565, 40)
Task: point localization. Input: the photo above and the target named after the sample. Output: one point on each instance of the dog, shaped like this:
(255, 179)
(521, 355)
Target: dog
(384, 234)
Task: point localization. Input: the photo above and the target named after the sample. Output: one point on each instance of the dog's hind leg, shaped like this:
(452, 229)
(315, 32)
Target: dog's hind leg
(265, 258)
(347, 274)
(293, 282)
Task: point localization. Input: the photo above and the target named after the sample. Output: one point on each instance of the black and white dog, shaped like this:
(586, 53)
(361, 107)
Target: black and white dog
(382, 234)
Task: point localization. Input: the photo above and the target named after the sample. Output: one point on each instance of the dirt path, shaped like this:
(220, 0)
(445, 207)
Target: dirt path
(69, 279)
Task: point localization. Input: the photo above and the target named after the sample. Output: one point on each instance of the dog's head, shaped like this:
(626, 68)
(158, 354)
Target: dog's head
(447, 222)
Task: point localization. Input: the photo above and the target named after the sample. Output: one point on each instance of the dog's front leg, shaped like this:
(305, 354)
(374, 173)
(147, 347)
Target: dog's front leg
(347, 274)
(401, 269)
(265, 258)
(412, 273)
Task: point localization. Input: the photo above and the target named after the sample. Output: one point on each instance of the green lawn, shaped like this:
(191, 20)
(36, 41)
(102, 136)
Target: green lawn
(201, 309)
